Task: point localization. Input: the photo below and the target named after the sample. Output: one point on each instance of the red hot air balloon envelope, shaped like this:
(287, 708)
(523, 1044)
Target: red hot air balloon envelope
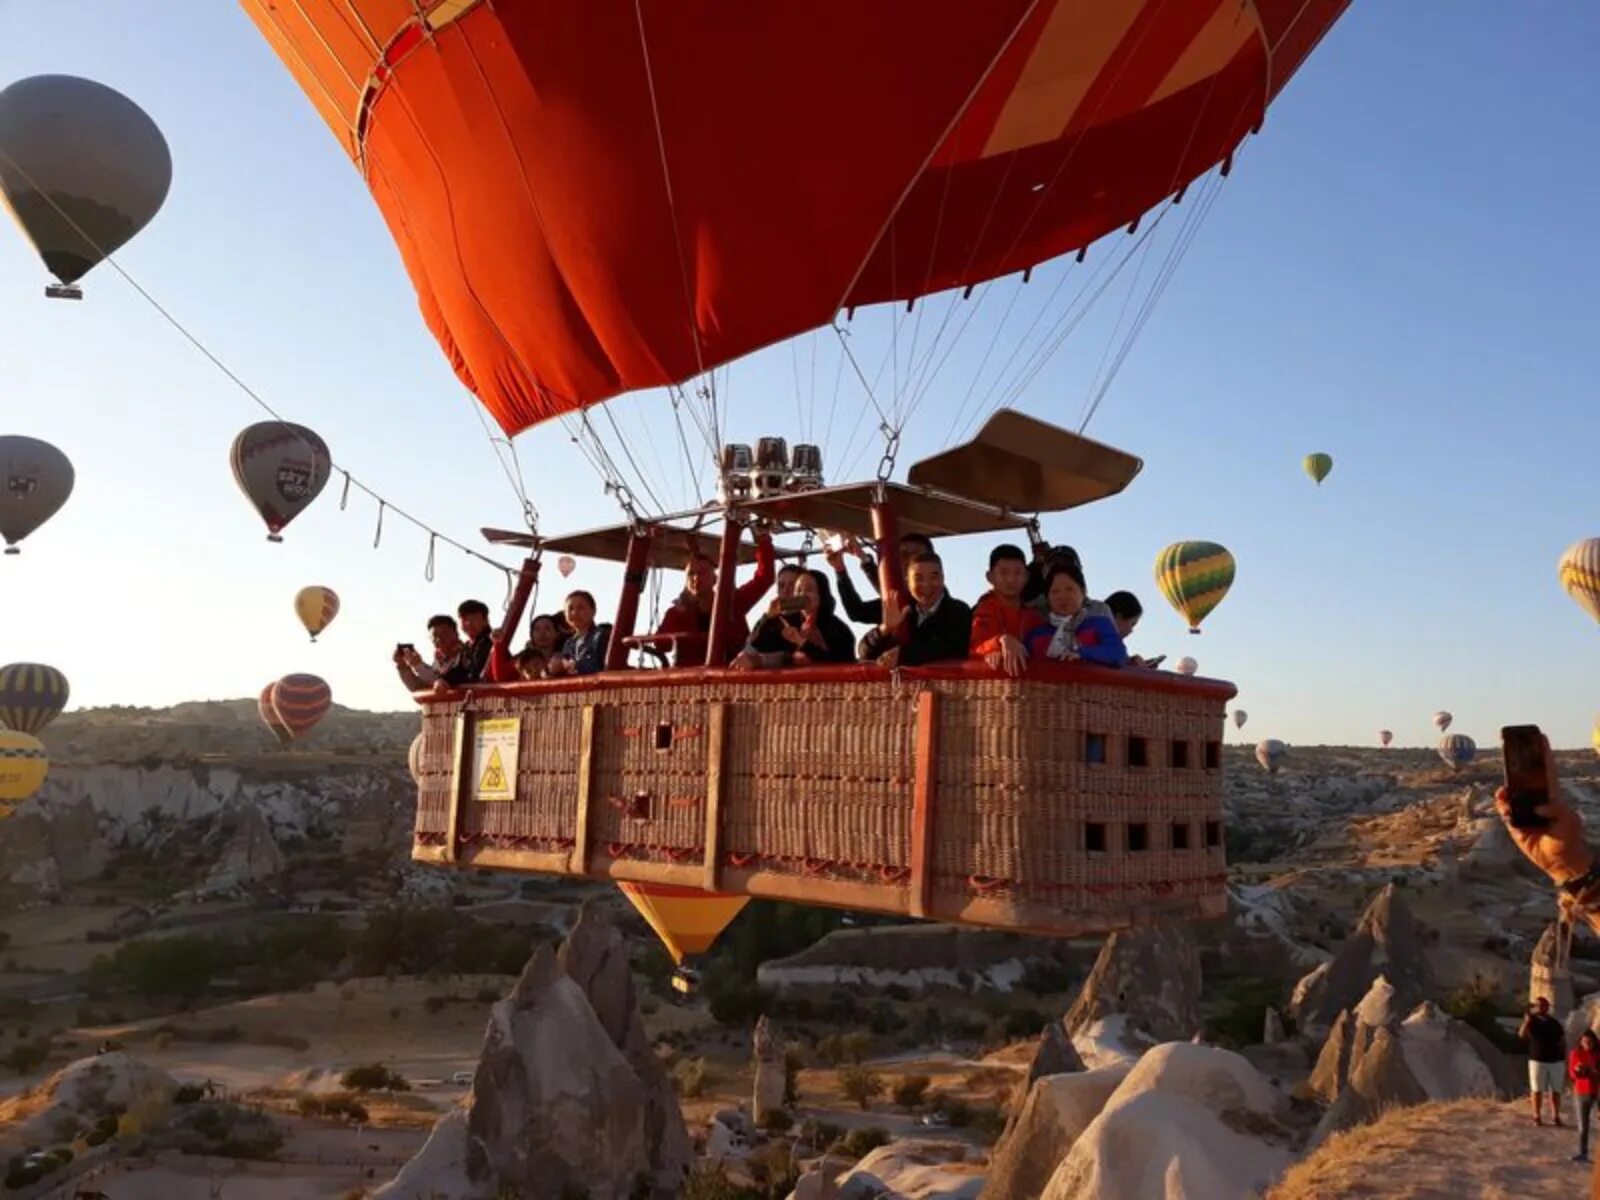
(584, 212)
(269, 718)
(281, 468)
(299, 702)
(35, 481)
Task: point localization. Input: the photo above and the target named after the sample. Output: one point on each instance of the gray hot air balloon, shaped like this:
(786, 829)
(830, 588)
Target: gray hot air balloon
(1270, 753)
(281, 467)
(35, 481)
(82, 169)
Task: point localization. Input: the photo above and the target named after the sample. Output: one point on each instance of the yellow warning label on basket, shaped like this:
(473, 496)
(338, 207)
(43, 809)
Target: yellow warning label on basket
(494, 759)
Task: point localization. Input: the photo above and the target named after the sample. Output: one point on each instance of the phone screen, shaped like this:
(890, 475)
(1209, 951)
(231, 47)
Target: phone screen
(1527, 778)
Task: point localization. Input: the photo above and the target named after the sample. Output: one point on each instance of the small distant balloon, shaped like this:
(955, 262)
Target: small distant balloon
(1580, 574)
(85, 169)
(23, 766)
(1194, 577)
(1385, 736)
(1457, 750)
(1441, 720)
(1187, 666)
(1271, 754)
(31, 696)
(300, 701)
(281, 468)
(566, 564)
(269, 718)
(1594, 738)
(35, 481)
(1318, 465)
(316, 607)
(414, 758)
(1239, 718)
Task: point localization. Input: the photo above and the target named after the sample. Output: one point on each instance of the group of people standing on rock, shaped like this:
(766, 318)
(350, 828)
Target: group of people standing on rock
(1551, 1066)
(1036, 608)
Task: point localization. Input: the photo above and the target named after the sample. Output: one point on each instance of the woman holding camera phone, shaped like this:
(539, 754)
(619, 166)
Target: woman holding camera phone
(800, 631)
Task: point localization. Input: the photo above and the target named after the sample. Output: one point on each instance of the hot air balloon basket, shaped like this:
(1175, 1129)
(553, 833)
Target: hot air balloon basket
(1073, 801)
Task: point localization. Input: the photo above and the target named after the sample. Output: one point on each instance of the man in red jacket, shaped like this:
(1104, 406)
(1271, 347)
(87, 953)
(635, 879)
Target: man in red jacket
(690, 614)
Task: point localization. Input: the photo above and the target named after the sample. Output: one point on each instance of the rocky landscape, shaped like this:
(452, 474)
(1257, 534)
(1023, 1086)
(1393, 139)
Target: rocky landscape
(237, 931)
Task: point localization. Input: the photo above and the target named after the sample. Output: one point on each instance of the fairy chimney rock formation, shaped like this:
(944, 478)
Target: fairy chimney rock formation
(770, 1090)
(1151, 975)
(1387, 943)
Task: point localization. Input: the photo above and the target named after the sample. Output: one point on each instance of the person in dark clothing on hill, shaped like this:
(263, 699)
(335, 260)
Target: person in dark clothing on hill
(870, 612)
(935, 627)
(1547, 1058)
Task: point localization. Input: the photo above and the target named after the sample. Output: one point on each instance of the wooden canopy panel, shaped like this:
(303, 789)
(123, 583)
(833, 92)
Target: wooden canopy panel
(1074, 800)
(848, 509)
(669, 550)
(1026, 465)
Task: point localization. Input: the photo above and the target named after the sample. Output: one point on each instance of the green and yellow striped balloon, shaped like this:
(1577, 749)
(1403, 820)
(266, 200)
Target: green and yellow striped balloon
(1194, 577)
(31, 696)
(1318, 465)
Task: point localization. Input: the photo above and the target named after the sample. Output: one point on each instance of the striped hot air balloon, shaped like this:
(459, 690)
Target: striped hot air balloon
(1580, 574)
(1194, 577)
(270, 718)
(414, 758)
(316, 607)
(23, 767)
(300, 701)
(1441, 720)
(1271, 753)
(1317, 466)
(1457, 750)
(31, 696)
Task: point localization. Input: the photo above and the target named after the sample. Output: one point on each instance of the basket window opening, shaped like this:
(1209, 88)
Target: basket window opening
(1213, 834)
(1094, 748)
(1180, 835)
(1138, 751)
(1094, 837)
(1213, 756)
(1138, 837)
(1180, 755)
(664, 735)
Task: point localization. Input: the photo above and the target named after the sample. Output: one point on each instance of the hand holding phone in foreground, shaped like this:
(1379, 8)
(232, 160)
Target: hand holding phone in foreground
(1557, 847)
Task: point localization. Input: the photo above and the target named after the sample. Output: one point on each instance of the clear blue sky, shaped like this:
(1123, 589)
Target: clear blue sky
(1400, 271)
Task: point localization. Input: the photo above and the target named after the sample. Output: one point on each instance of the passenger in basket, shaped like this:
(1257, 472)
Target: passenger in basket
(870, 612)
(1000, 622)
(690, 614)
(1047, 558)
(936, 627)
(584, 652)
(1125, 612)
(800, 631)
(546, 635)
(530, 664)
(1073, 630)
(449, 658)
(475, 631)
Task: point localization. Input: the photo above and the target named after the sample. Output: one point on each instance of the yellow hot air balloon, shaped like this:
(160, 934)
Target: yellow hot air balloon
(316, 607)
(1594, 738)
(1317, 466)
(23, 766)
(687, 920)
(1580, 574)
(1194, 577)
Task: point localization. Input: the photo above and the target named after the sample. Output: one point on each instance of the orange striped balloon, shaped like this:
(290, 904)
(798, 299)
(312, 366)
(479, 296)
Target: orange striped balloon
(300, 701)
(270, 718)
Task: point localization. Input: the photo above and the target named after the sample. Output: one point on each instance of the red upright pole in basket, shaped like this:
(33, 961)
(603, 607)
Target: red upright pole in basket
(633, 573)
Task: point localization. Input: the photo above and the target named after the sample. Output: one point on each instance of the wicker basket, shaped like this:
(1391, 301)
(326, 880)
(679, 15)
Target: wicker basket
(1074, 800)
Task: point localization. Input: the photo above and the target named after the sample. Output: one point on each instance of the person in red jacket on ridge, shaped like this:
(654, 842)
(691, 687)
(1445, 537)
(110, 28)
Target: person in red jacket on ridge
(1583, 1066)
(999, 620)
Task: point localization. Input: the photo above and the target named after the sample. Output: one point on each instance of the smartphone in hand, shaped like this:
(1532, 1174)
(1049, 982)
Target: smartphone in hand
(1526, 758)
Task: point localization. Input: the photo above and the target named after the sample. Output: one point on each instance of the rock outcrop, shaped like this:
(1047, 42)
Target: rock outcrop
(567, 1094)
(1387, 942)
(1372, 1061)
(1549, 974)
(914, 1170)
(80, 1094)
(1054, 1055)
(1272, 1031)
(1150, 975)
(1056, 1111)
(916, 957)
(1187, 1123)
(771, 1077)
(249, 855)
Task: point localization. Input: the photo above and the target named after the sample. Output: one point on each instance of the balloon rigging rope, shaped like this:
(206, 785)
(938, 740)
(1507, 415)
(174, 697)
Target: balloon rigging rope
(384, 503)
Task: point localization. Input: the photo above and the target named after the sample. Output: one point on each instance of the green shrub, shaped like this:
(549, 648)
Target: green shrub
(910, 1090)
(859, 1143)
(189, 1093)
(689, 1076)
(1240, 1011)
(1480, 1004)
(373, 1077)
(860, 1085)
(25, 1056)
